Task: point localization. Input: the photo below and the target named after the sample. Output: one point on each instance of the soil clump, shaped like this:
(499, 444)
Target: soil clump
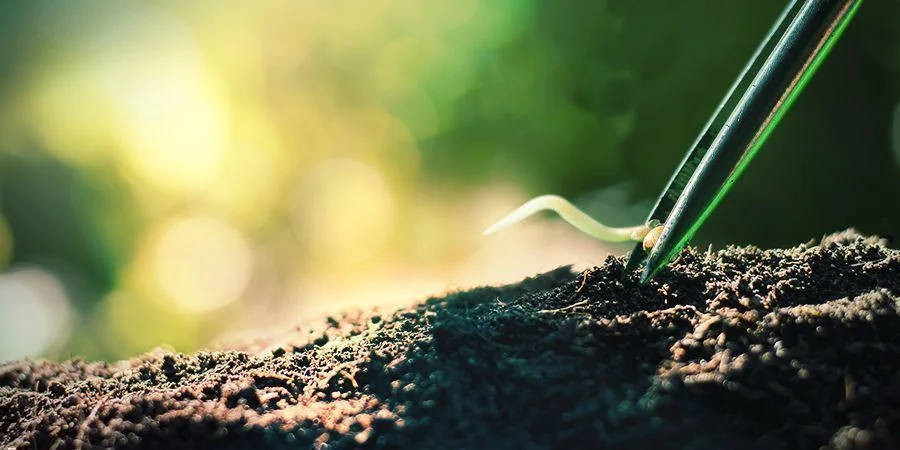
(739, 348)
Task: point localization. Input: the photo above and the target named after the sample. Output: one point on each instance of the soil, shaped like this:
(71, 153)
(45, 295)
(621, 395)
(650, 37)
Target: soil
(739, 348)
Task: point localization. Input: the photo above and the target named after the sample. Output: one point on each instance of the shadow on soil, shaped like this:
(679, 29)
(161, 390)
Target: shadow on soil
(740, 348)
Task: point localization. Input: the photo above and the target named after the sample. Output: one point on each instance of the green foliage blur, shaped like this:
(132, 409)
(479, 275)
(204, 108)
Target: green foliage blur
(274, 152)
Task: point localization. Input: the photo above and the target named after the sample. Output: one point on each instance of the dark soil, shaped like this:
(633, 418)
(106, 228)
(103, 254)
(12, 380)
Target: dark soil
(740, 348)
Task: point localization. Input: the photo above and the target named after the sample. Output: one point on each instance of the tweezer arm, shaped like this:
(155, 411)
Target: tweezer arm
(701, 144)
(788, 68)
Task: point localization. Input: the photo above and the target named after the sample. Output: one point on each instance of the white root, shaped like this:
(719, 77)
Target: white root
(576, 217)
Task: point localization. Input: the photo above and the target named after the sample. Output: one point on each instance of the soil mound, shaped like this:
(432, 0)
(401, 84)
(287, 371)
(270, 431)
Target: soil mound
(740, 348)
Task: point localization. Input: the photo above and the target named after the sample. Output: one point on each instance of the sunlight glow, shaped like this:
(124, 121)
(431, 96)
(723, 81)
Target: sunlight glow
(333, 231)
(142, 88)
(251, 174)
(231, 153)
(202, 264)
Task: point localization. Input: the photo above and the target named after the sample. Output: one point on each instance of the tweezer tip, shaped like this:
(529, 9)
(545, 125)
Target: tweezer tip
(650, 271)
(645, 276)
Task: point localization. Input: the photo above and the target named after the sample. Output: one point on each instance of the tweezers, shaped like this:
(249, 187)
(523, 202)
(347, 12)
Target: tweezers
(780, 67)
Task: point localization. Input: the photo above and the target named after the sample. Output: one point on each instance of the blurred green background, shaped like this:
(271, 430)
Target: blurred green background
(173, 173)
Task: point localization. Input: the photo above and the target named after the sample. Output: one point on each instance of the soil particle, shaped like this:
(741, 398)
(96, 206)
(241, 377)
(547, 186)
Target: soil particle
(739, 348)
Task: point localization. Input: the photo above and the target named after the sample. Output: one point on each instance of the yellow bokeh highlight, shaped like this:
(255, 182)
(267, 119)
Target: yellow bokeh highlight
(175, 132)
(195, 264)
(142, 90)
(250, 148)
(72, 115)
(343, 212)
(252, 172)
(174, 126)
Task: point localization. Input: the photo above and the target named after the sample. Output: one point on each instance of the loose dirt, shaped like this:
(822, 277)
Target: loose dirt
(738, 348)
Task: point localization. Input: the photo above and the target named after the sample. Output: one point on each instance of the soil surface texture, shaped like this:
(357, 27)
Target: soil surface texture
(738, 348)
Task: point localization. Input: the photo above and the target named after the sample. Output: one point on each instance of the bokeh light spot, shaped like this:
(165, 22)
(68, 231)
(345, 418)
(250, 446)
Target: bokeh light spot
(343, 211)
(175, 136)
(202, 264)
(251, 175)
(34, 313)
(141, 88)
(58, 106)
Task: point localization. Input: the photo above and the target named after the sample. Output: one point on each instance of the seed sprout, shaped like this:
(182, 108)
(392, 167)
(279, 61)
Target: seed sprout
(648, 233)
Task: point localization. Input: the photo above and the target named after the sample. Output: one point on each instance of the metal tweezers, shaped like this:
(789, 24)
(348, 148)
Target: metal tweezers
(780, 67)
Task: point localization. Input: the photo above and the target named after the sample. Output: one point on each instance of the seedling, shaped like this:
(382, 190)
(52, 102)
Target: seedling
(782, 65)
(648, 233)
